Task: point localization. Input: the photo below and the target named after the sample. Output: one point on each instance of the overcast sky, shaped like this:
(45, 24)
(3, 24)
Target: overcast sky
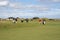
(30, 8)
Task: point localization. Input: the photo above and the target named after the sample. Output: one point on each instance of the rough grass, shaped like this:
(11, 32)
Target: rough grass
(30, 31)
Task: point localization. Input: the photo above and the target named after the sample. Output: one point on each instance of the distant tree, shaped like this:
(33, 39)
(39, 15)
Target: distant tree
(10, 17)
(18, 18)
(52, 19)
(35, 17)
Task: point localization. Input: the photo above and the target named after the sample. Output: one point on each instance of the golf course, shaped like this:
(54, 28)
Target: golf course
(29, 31)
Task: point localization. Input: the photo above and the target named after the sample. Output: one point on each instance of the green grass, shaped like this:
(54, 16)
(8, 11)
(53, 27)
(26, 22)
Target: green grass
(30, 31)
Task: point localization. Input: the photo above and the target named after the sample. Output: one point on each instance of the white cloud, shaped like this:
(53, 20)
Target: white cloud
(12, 5)
(20, 14)
(55, 0)
(30, 6)
(53, 13)
(3, 3)
(22, 6)
(49, 0)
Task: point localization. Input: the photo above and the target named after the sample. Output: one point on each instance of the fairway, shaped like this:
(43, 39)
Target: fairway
(30, 31)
